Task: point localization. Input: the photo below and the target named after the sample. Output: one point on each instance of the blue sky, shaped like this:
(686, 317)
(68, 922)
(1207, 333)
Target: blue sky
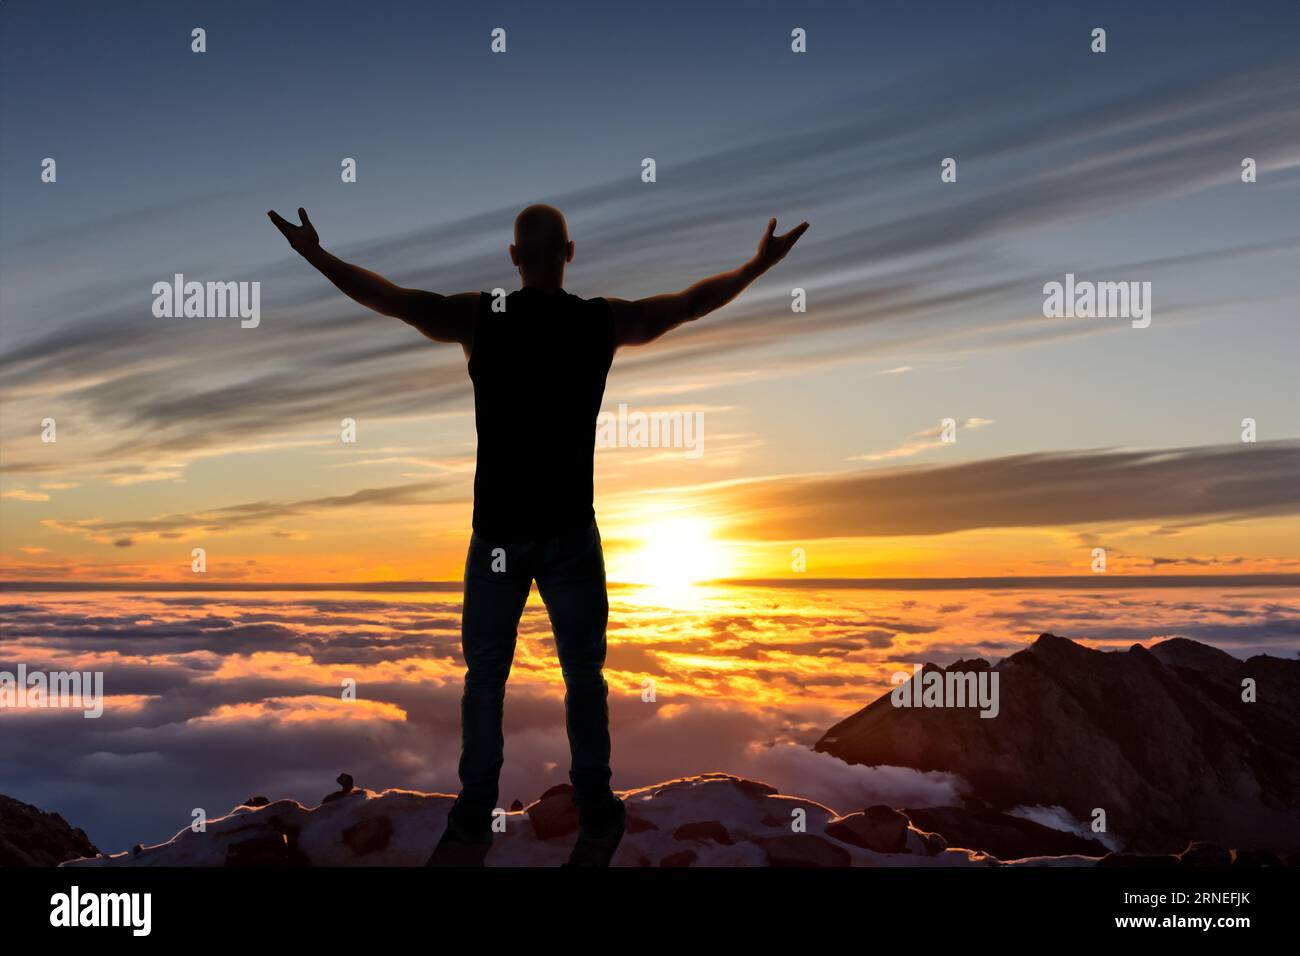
(1122, 166)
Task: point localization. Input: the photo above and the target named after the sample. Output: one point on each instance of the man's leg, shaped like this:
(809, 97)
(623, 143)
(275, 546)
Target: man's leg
(497, 579)
(571, 579)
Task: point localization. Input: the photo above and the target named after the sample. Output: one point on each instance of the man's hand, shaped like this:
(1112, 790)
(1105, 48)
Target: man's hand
(303, 238)
(773, 248)
(443, 318)
(642, 321)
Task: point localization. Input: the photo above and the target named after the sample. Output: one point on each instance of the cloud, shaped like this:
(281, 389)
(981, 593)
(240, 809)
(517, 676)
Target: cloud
(923, 441)
(1059, 818)
(1205, 483)
(796, 769)
(18, 494)
(891, 269)
(254, 514)
(218, 697)
(303, 709)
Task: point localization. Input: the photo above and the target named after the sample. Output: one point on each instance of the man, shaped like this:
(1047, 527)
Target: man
(538, 367)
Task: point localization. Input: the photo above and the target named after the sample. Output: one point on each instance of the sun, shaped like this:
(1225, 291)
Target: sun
(674, 553)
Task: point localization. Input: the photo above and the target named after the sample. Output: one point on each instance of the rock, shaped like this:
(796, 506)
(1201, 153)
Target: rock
(751, 788)
(369, 836)
(802, 850)
(638, 825)
(255, 802)
(674, 823)
(554, 814)
(287, 829)
(1205, 766)
(1141, 860)
(1256, 858)
(706, 830)
(266, 850)
(879, 828)
(345, 788)
(1002, 835)
(934, 843)
(1199, 853)
(30, 836)
(684, 858)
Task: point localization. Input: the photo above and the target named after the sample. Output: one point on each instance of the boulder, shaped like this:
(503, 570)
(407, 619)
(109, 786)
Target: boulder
(684, 858)
(1138, 860)
(369, 836)
(635, 824)
(705, 830)
(802, 850)
(345, 788)
(31, 837)
(1002, 835)
(266, 850)
(932, 844)
(1256, 858)
(879, 828)
(1199, 853)
(554, 814)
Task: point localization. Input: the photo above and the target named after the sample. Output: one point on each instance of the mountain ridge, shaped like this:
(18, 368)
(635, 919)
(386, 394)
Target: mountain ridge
(1160, 739)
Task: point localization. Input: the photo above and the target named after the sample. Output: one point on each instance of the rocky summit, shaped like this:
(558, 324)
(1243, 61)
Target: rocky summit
(31, 837)
(713, 819)
(1166, 741)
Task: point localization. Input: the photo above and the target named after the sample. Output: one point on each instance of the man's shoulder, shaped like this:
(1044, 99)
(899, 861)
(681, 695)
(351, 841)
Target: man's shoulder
(596, 305)
(560, 300)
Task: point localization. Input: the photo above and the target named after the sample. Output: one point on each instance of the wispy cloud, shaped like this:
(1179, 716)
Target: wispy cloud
(891, 259)
(249, 515)
(20, 494)
(923, 440)
(1047, 489)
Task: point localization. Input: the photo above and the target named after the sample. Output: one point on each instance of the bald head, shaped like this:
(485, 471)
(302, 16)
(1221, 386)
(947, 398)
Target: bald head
(541, 241)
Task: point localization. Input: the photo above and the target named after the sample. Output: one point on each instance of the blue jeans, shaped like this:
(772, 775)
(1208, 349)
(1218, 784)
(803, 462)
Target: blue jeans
(570, 574)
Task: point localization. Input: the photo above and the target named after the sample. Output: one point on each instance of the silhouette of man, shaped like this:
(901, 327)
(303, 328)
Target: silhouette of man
(538, 368)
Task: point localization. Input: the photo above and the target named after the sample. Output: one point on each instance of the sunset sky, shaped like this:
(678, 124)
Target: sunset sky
(821, 429)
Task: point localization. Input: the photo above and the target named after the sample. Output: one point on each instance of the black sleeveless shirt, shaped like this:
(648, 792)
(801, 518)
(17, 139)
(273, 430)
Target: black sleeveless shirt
(539, 371)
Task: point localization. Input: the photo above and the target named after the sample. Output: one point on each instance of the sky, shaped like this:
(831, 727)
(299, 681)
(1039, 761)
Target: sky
(924, 298)
(823, 463)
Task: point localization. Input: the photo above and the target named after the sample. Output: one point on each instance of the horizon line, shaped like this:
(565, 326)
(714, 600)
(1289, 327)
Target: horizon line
(1069, 582)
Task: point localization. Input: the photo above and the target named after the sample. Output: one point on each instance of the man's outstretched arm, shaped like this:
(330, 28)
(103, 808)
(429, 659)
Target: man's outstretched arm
(443, 318)
(644, 320)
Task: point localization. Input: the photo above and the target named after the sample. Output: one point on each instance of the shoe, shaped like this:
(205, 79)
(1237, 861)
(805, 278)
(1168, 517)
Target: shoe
(599, 834)
(461, 847)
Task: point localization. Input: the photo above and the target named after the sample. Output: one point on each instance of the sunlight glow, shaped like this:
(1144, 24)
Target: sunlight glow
(674, 553)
